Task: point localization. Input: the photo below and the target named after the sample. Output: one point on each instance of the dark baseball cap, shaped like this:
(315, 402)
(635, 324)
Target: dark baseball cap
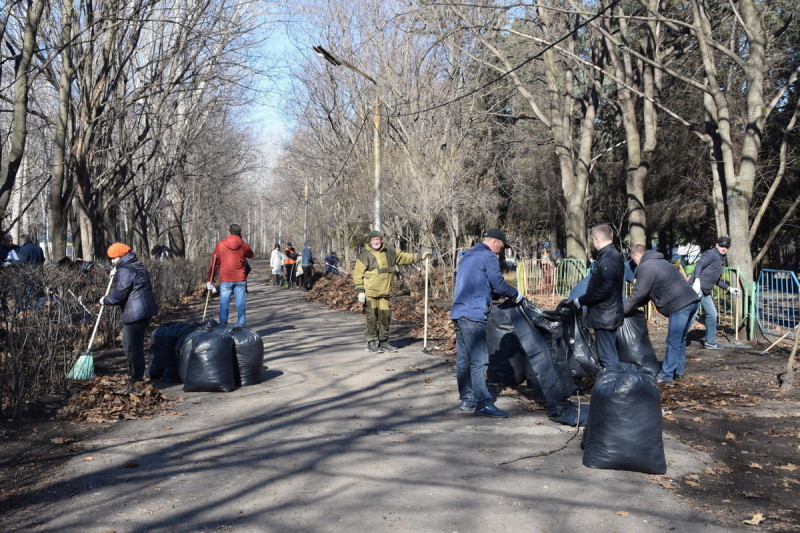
(724, 241)
(496, 234)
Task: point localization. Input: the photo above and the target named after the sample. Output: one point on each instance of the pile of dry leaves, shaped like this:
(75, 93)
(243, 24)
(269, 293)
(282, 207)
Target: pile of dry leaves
(336, 292)
(112, 398)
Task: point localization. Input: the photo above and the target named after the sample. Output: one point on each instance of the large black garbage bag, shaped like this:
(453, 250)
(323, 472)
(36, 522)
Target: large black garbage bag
(163, 360)
(552, 384)
(248, 353)
(502, 344)
(623, 431)
(582, 356)
(206, 362)
(633, 343)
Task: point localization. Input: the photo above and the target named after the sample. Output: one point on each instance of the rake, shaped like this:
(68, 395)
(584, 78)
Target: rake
(83, 368)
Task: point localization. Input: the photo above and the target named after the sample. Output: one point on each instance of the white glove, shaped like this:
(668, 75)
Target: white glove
(735, 291)
(102, 301)
(113, 272)
(362, 297)
(211, 288)
(577, 303)
(426, 254)
(696, 286)
(519, 297)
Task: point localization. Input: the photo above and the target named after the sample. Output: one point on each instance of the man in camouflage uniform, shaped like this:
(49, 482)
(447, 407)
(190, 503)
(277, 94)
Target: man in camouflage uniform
(374, 278)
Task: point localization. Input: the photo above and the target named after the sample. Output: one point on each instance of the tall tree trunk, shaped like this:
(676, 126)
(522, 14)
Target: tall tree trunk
(60, 193)
(19, 117)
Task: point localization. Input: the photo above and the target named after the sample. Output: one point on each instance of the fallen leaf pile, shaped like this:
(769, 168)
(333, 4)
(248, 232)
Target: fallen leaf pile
(337, 293)
(112, 398)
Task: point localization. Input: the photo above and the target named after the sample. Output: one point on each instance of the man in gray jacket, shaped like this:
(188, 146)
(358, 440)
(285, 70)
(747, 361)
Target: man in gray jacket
(659, 281)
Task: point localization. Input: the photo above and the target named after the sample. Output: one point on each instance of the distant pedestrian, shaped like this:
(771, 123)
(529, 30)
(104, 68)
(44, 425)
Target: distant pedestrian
(331, 263)
(276, 264)
(132, 291)
(8, 250)
(161, 252)
(707, 273)
(29, 252)
(307, 262)
(230, 260)
(290, 256)
(603, 295)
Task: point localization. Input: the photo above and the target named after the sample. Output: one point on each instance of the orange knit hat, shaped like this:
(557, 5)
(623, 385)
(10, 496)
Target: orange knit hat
(118, 250)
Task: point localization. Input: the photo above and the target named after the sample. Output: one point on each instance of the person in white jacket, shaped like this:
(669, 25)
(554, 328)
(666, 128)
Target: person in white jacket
(276, 263)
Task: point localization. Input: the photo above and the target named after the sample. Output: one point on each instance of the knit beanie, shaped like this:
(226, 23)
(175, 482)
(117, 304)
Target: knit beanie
(118, 250)
(374, 233)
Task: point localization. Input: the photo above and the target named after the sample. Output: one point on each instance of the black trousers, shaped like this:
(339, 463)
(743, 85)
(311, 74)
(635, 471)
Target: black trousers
(133, 345)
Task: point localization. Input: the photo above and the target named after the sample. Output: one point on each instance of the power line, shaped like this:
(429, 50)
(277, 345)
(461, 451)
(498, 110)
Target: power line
(503, 75)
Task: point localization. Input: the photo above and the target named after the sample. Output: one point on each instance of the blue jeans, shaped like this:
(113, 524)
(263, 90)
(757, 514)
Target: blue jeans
(238, 288)
(675, 358)
(472, 359)
(707, 303)
(606, 342)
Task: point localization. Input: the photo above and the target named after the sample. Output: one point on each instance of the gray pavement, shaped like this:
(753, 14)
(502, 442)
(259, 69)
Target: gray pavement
(337, 439)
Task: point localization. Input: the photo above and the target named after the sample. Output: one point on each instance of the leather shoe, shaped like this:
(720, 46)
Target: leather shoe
(678, 377)
(491, 411)
(466, 405)
(386, 347)
(662, 381)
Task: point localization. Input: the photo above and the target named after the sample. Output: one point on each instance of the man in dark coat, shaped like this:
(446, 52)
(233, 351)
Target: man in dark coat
(707, 273)
(660, 281)
(133, 292)
(604, 295)
(29, 252)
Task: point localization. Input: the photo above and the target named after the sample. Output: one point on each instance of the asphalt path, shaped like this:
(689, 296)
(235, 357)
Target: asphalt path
(337, 439)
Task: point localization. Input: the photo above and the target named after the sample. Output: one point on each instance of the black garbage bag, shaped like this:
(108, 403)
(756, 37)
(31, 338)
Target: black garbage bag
(633, 343)
(623, 431)
(163, 359)
(552, 384)
(248, 353)
(571, 415)
(582, 356)
(502, 345)
(206, 362)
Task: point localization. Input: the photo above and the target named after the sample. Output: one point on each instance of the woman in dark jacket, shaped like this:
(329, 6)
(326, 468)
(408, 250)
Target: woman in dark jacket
(133, 292)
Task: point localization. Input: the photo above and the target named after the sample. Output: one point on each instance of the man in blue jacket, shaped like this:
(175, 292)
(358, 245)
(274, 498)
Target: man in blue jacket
(660, 281)
(707, 273)
(604, 295)
(478, 279)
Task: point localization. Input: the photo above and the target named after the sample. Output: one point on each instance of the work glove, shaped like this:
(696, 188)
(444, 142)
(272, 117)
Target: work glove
(362, 298)
(735, 291)
(211, 288)
(113, 272)
(576, 303)
(519, 297)
(696, 286)
(426, 254)
(102, 301)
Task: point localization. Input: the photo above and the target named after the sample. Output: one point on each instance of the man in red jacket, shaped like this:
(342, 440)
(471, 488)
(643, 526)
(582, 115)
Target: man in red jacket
(230, 259)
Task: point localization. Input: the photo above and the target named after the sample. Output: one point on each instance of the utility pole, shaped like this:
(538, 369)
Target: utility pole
(376, 116)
